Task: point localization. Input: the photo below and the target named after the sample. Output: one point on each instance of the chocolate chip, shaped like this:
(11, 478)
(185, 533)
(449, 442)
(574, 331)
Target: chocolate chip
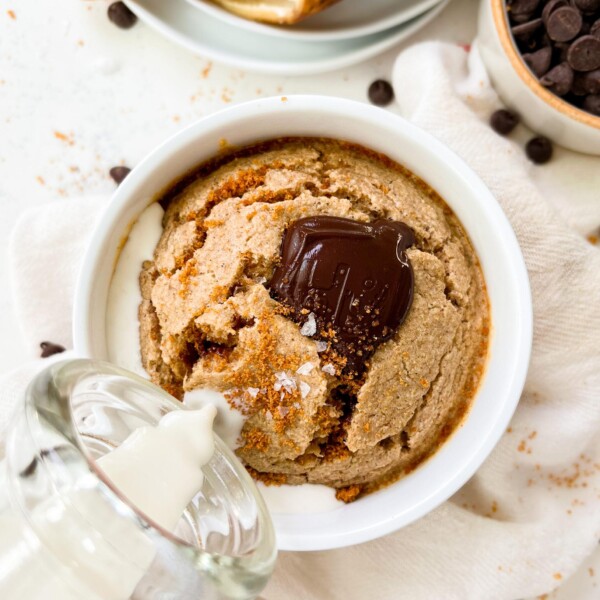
(518, 7)
(118, 174)
(381, 92)
(587, 6)
(539, 150)
(526, 28)
(121, 16)
(551, 7)
(584, 53)
(539, 61)
(504, 121)
(564, 24)
(559, 79)
(589, 82)
(48, 349)
(522, 18)
(592, 104)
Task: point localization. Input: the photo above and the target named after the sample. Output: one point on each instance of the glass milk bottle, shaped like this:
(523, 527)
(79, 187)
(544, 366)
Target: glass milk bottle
(66, 531)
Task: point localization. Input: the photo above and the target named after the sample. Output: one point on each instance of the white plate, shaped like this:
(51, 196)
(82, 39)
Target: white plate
(209, 37)
(348, 19)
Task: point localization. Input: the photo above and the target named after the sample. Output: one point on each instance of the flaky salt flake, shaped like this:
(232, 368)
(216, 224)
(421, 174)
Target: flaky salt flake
(304, 389)
(253, 391)
(285, 381)
(328, 368)
(283, 411)
(269, 415)
(321, 346)
(305, 369)
(310, 327)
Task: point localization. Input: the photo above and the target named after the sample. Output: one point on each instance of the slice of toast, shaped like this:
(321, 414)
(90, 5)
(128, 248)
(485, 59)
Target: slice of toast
(275, 11)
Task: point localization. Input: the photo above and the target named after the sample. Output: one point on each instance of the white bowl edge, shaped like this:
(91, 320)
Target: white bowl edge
(502, 262)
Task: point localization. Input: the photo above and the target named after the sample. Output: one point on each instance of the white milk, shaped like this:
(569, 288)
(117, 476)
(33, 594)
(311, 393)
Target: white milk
(159, 469)
(228, 422)
(299, 499)
(124, 295)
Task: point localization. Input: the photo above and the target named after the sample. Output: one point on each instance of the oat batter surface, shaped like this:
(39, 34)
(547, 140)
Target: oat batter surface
(210, 318)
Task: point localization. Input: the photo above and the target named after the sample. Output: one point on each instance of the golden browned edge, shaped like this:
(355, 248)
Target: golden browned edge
(229, 152)
(313, 6)
(500, 17)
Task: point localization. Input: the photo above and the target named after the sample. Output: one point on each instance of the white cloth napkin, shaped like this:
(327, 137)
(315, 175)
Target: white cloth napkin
(531, 514)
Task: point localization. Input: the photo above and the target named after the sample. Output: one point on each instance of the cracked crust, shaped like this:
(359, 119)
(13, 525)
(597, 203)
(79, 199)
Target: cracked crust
(207, 318)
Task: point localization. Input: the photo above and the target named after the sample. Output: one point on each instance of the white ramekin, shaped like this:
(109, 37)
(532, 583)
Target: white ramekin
(494, 241)
(540, 109)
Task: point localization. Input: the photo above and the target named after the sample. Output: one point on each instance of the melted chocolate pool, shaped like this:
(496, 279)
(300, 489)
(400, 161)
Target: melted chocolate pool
(355, 277)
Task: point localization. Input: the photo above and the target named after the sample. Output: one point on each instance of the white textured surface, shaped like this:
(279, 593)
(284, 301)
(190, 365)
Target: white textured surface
(78, 95)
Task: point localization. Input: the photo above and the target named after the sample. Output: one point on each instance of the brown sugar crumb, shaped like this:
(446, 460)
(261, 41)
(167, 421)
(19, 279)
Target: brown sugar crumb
(532, 435)
(557, 576)
(267, 478)
(212, 223)
(63, 137)
(348, 494)
(207, 69)
(264, 373)
(11, 14)
(591, 572)
(522, 446)
(185, 275)
(575, 477)
(593, 239)
(256, 439)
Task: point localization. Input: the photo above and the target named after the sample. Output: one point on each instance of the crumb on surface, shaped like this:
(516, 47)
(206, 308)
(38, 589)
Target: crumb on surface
(348, 494)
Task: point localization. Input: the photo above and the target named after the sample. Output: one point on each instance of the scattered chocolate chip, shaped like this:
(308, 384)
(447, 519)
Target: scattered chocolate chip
(587, 6)
(539, 150)
(518, 7)
(590, 82)
(121, 16)
(526, 28)
(521, 18)
(381, 92)
(592, 104)
(559, 41)
(564, 24)
(539, 61)
(504, 121)
(584, 53)
(48, 349)
(118, 174)
(559, 79)
(551, 7)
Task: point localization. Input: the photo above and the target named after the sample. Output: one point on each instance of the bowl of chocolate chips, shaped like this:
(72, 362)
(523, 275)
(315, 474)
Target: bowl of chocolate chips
(543, 57)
